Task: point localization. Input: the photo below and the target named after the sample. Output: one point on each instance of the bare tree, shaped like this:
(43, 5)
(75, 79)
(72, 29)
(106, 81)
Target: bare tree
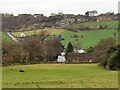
(101, 50)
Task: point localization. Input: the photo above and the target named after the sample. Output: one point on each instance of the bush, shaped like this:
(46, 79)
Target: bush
(114, 62)
(103, 60)
(90, 50)
(108, 53)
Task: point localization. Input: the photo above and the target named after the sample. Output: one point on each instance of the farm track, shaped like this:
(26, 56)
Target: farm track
(12, 37)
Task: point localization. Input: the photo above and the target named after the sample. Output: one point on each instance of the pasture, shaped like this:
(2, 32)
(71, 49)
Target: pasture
(35, 32)
(109, 24)
(4, 37)
(59, 76)
(90, 38)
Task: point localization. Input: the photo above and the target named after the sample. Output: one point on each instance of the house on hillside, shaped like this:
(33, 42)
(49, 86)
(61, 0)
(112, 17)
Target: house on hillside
(116, 17)
(105, 17)
(39, 15)
(68, 16)
(22, 35)
(67, 20)
(25, 15)
(82, 18)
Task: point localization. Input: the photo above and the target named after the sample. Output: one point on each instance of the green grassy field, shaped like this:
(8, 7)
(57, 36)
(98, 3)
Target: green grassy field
(110, 24)
(4, 36)
(59, 76)
(90, 38)
(47, 30)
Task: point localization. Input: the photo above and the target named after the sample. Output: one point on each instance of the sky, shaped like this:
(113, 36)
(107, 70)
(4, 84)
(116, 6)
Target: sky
(47, 7)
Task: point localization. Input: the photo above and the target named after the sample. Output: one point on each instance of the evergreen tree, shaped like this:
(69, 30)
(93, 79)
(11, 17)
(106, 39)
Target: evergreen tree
(69, 48)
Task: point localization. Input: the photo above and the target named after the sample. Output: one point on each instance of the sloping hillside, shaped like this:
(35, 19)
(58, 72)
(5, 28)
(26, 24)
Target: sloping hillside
(109, 24)
(4, 36)
(89, 38)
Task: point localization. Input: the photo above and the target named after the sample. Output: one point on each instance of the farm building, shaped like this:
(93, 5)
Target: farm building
(82, 18)
(105, 17)
(61, 58)
(22, 35)
(79, 57)
(79, 51)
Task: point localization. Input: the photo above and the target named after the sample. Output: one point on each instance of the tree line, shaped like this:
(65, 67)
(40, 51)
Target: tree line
(31, 50)
(41, 48)
(23, 21)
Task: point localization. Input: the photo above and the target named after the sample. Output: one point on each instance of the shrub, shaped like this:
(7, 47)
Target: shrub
(114, 62)
(90, 50)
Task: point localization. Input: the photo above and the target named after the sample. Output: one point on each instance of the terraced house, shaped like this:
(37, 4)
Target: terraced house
(107, 17)
(80, 57)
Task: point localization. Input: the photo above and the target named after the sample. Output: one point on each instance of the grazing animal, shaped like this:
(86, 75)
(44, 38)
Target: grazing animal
(21, 70)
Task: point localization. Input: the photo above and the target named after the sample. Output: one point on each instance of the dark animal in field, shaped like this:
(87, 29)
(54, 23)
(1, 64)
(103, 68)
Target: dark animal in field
(21, 70)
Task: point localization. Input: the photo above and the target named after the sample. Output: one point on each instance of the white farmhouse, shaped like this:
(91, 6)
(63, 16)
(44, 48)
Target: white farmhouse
(61, 59)
(79, 51)
(22, 35)
(63, 53)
